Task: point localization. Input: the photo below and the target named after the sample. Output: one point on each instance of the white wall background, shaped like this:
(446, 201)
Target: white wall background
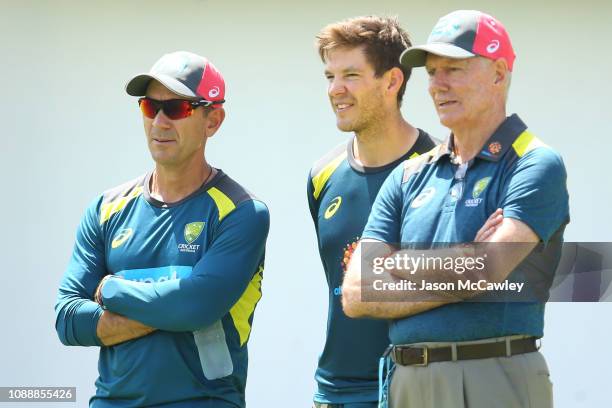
(69, 131)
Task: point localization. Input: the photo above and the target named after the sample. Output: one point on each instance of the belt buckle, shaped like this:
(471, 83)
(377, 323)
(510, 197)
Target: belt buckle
(425, 362)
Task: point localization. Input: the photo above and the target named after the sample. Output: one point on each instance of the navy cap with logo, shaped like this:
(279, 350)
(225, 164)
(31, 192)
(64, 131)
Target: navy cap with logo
(463, 34)
(184, 73)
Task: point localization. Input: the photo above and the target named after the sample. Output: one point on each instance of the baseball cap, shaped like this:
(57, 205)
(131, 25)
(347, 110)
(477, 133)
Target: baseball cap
(184, 73)
(463, 34)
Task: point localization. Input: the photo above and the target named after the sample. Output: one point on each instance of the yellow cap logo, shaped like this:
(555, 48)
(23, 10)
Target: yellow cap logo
(121, 237)
(333, 207)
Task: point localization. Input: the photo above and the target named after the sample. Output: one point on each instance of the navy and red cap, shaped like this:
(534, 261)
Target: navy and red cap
(463, 34)
(184, 73)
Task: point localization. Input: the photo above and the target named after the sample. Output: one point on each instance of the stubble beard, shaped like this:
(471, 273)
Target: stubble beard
(361, 122)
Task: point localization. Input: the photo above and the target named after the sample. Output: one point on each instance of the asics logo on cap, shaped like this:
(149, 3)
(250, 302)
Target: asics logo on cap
(493, 46)
(214, 92)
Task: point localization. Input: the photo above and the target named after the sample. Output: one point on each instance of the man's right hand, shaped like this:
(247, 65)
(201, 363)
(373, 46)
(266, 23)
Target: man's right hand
(114, 329)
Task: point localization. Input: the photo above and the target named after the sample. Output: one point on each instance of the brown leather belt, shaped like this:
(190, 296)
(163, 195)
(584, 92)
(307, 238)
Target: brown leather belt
(422, 356)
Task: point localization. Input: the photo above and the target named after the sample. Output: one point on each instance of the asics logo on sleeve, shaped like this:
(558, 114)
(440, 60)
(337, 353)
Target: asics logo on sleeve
(333, 207)
(121, 237)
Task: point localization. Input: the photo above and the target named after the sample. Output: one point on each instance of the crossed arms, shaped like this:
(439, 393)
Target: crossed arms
(535, 207)
(496, 229)
(135, 309)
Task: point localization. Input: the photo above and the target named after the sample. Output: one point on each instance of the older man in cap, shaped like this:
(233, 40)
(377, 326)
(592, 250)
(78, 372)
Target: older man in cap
(166, 270)
(451, 350)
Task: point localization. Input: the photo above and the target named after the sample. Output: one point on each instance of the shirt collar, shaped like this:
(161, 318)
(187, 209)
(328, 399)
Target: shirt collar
(497, 145)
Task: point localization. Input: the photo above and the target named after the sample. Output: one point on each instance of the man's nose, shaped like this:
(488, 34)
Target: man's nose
(336, 87)
(161, 120)
(437, 82)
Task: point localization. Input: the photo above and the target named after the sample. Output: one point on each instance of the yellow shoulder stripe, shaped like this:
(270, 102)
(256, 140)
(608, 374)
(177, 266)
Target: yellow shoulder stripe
(245, 306)
(321, 178)
(108, 209)
(413, 155)
(526, 142)
(223, 202)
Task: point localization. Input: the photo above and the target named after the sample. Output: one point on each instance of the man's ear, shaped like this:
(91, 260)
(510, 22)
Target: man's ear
(214, 119)
(395, 80)
(501, 71)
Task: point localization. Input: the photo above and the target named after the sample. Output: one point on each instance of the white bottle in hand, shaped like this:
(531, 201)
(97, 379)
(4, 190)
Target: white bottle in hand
(215, 357)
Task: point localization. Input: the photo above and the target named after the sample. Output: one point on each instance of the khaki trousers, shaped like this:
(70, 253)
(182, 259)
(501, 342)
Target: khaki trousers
(520, 381)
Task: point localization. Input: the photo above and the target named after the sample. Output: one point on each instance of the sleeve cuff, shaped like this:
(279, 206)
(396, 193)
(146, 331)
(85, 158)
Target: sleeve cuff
(88, 316)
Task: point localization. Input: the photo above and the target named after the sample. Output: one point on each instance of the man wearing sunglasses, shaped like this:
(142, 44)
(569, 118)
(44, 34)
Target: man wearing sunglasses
(474, 347)
(166, 270)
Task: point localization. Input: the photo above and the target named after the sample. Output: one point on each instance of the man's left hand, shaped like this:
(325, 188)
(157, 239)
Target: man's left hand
(490, 226)
(98, 292)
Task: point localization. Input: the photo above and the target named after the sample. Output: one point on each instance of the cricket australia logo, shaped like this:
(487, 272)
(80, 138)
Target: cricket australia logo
(191, 233)
(479, 187)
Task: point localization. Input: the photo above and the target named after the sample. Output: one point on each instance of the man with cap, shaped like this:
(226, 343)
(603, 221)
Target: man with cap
(166, 270)
(451, 352)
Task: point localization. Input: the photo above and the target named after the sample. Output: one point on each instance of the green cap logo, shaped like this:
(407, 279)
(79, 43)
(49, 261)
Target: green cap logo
(480, 186)
(193, 231)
